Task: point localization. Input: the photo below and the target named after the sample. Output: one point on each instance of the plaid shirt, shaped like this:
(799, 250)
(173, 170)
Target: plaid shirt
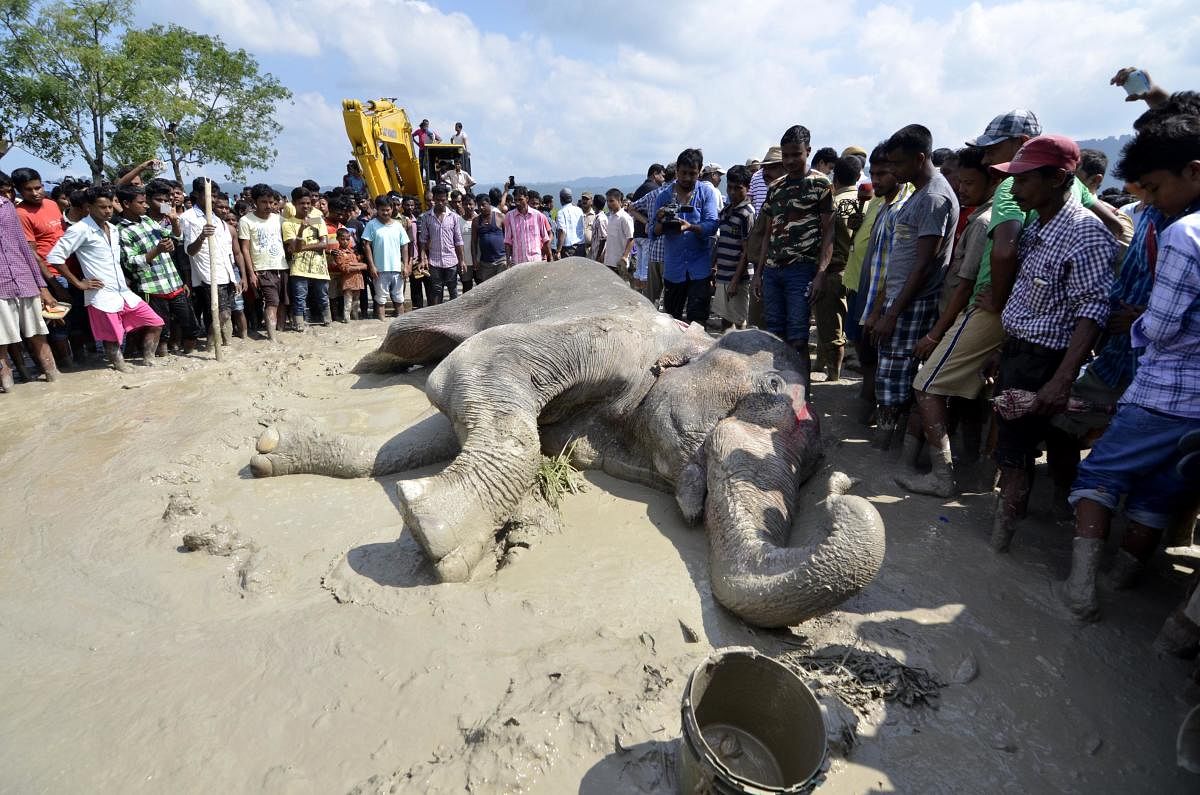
(20, 275)
(154, 277)
(654, 250)
(1168, 374)
(1064, 276)
(880, 246)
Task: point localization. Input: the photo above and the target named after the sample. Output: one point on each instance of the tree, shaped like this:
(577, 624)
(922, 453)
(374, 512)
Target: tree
(197, 102)
(62, 79)
(77, 82)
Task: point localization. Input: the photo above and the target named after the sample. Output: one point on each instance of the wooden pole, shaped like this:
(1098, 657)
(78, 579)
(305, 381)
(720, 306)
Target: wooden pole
(214, 304)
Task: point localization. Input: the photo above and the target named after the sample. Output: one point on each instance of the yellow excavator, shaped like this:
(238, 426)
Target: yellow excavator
(381, 138)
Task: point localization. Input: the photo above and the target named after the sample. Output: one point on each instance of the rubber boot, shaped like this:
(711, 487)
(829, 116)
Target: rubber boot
(1078, 593)
(298, 323)
(1124, 572)
(326, 316)
(940, 480)
(909, 449)
(380, 309)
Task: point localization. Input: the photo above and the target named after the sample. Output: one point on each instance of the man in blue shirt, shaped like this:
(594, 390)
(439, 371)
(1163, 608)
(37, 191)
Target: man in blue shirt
(685, 217)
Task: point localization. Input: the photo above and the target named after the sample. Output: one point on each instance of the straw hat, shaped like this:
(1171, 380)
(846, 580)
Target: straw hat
(773, 155)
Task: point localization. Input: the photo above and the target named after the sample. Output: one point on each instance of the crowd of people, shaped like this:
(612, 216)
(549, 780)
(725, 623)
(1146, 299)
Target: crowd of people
(987, 294)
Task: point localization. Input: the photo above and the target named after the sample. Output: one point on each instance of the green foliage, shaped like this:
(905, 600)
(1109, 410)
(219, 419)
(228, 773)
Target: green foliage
(557, 477)
(76, 81)
(201, 102)
(61, 77)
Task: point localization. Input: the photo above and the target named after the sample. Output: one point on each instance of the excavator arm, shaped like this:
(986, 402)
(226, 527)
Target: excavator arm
(381, 139)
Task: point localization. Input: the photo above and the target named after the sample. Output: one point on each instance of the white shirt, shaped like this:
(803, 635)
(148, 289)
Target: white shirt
(568, 221)
(99, 257)
(620, 232)
(599, 233)
(460, 138)
(464, 227)
(458, 180)
(192, 225)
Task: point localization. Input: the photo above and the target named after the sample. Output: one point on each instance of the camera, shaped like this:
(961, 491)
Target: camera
(670, 216)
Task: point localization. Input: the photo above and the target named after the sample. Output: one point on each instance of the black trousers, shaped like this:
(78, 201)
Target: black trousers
(691, 297)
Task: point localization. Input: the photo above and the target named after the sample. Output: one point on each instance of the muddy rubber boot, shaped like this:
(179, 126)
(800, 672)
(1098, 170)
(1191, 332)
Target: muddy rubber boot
(326, 316)
(1004, 527)
(299, 324)
(1124, 572)
(1078, 593)
(1179, 636)
(940, 480)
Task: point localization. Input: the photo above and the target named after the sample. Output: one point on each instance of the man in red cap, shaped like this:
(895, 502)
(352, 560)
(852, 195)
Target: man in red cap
(1053, 317)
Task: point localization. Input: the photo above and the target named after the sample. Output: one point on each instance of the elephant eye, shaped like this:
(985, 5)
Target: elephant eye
(772, 384)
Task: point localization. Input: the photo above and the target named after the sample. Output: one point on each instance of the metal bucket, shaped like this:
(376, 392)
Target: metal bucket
(750, 726)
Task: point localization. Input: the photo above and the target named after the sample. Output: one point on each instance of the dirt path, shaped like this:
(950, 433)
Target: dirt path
(318, 657)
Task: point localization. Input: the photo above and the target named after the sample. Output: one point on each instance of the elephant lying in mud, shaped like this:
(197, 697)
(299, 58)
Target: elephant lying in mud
(543, 356)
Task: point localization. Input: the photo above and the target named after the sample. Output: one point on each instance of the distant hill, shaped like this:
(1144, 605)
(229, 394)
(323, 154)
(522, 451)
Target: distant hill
(1112, 148)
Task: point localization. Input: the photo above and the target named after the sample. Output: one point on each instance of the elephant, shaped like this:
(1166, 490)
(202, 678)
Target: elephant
(551, 356)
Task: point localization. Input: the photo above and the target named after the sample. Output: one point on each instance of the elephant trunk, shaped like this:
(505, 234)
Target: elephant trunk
(753, 473)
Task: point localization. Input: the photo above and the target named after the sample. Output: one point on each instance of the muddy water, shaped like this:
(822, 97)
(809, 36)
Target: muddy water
(327, 661)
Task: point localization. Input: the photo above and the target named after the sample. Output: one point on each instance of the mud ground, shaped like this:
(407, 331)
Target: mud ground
(304, 648)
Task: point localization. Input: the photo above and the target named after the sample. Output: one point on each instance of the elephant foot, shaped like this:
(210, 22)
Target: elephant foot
(303, 447)
(453, 528)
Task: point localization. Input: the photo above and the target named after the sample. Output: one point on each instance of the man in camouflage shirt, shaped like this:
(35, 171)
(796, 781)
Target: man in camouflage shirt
(798, 248)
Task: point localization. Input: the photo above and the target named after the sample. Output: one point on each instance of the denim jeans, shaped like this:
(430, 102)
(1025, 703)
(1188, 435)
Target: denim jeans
(303, 288)
(786, 308)
(1136, 457)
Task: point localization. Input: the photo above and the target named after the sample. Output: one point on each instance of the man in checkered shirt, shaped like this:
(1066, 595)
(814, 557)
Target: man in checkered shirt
(1054, 315)
(1137, 455)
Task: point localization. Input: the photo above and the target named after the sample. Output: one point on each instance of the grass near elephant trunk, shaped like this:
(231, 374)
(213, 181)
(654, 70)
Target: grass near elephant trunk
(557, 476)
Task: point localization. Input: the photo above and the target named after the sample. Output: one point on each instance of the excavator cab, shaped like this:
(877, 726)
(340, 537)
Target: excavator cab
(442, 158)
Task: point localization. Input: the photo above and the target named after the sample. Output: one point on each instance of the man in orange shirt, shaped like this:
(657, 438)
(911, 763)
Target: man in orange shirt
(42, 222)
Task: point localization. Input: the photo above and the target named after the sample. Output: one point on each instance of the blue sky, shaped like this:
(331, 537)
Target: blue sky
(557, 90)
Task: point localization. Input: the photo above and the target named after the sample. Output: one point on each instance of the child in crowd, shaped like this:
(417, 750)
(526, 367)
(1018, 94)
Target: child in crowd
(348, 269)
(619, 243)
(729, 268)
(387, 253)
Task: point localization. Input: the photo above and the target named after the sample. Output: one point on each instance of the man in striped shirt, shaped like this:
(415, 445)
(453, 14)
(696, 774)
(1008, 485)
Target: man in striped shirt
(732, 298)
(526, 231)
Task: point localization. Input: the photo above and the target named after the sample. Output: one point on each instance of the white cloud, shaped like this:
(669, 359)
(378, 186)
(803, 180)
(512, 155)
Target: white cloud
(584, 93)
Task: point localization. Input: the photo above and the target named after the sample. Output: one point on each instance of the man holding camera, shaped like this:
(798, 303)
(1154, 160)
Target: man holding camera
(685, 217)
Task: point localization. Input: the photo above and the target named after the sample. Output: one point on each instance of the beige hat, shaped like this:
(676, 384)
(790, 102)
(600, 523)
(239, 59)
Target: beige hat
(773, 155)
(753, 161)
(854, 150)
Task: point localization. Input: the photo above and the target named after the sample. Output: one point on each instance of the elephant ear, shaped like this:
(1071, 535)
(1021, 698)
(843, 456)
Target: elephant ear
(691, 487)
